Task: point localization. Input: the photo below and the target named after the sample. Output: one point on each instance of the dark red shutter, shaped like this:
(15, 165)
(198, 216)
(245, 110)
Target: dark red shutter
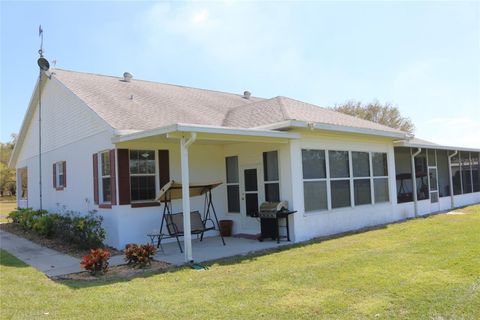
(55, 175)
(113, 175)
(64, 174)
(123, 176)
(164, 167)
(95, 178)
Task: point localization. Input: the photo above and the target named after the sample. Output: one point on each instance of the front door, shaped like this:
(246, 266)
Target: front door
(251, 197)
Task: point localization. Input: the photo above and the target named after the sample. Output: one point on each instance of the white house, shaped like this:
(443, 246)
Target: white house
(110, 143)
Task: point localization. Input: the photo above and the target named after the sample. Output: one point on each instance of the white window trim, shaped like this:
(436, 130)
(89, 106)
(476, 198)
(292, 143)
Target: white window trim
(265, 182)
(58, 173)
(351, 179)
(101, 177)
(155, 174)
(233, 184)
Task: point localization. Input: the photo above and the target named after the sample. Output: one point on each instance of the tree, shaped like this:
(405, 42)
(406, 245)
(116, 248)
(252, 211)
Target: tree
(7, 175)
(386, 114)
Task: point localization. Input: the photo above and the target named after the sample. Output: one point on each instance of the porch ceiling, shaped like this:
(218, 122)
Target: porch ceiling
(205, 135)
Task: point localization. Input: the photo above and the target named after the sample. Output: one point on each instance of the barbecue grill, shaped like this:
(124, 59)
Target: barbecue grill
(270, 214)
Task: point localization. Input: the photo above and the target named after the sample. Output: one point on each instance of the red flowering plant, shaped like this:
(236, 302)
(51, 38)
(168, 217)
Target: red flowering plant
(139, 255)
(96, 261)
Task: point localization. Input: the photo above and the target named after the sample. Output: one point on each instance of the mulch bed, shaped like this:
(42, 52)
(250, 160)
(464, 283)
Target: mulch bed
(117, 272)
(55, 244)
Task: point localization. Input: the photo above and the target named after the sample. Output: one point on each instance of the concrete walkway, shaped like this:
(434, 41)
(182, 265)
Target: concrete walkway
(48, 261)
(54, 263)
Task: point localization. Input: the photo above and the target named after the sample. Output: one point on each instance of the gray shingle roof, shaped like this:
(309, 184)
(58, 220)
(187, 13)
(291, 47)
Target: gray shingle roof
(142, 105)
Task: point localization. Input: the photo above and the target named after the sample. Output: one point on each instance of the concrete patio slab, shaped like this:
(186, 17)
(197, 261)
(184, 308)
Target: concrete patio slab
(211, 248)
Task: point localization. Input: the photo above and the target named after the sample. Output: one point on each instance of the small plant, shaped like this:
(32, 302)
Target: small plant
(139, 255)
(26, 217)
(97, 261)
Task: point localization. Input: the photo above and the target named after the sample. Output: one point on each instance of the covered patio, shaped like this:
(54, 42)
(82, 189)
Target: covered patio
(211, 248)
(197, 155)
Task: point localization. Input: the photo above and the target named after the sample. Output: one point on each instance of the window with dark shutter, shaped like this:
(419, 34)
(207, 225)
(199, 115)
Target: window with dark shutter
(164, 167)
(95, 178)
(123, 176)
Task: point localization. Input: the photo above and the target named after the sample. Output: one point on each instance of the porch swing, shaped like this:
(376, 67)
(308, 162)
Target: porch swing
(174, 221)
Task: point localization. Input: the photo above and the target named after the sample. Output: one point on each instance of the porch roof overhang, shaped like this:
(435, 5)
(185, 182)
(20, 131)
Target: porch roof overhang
(414, 144)
(206, 133)
(289, 124)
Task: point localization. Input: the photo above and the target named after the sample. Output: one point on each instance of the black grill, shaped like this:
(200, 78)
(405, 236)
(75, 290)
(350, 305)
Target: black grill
(270, 214)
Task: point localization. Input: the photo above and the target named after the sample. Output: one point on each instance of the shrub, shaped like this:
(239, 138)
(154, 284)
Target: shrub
(15, 216)
(139, 255)
(26, 217)
(85, 232)
(45, 225)
(96, 261)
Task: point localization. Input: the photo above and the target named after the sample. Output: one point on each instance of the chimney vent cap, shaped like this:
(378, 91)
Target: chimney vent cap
(127, 76)
(247, 94)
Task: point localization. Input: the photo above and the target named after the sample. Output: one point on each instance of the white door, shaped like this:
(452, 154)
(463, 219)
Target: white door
(251, 196)
(433, 186)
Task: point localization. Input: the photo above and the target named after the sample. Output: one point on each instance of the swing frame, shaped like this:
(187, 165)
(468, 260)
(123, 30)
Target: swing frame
(170, 192)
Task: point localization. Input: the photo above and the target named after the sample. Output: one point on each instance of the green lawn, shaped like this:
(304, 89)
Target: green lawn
(421, 269)
(7, 205)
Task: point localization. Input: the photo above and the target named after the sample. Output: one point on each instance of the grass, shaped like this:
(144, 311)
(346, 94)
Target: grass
(421, 269)
(7, 205)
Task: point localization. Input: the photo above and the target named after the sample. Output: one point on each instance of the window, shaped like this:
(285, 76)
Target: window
(339, 178)
(380, 177)
(105, 187)
(443, 178)
(421, 172)
(270, 176)
(59, 178)
(142, 175)
(466, 172)
(233, 186)
(314, 180)
(23, 178)
(475, 171)
(361, 177)
(456, 175)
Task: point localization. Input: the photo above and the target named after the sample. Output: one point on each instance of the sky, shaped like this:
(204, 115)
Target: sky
(423, 57)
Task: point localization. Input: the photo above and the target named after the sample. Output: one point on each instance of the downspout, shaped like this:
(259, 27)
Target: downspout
(452, 202)
(187, 237)
(414, 179)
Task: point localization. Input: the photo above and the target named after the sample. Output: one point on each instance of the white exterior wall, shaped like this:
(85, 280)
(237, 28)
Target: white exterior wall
(71, 133)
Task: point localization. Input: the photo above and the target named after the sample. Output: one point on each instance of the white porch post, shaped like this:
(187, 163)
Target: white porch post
(414, 180)
(296, 189)
(187, 238)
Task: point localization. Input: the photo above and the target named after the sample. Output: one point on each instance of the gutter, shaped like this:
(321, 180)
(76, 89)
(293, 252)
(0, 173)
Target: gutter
(414, 179)
(452, 202)
(331, 127)
(192, 128)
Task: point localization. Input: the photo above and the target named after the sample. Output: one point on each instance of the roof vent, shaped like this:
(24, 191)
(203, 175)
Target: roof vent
(127, 76)
(247, 94)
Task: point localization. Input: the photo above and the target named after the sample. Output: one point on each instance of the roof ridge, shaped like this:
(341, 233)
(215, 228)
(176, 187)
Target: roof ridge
(284, 110)
(330, 110)
(246, 105)
(156, 82)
